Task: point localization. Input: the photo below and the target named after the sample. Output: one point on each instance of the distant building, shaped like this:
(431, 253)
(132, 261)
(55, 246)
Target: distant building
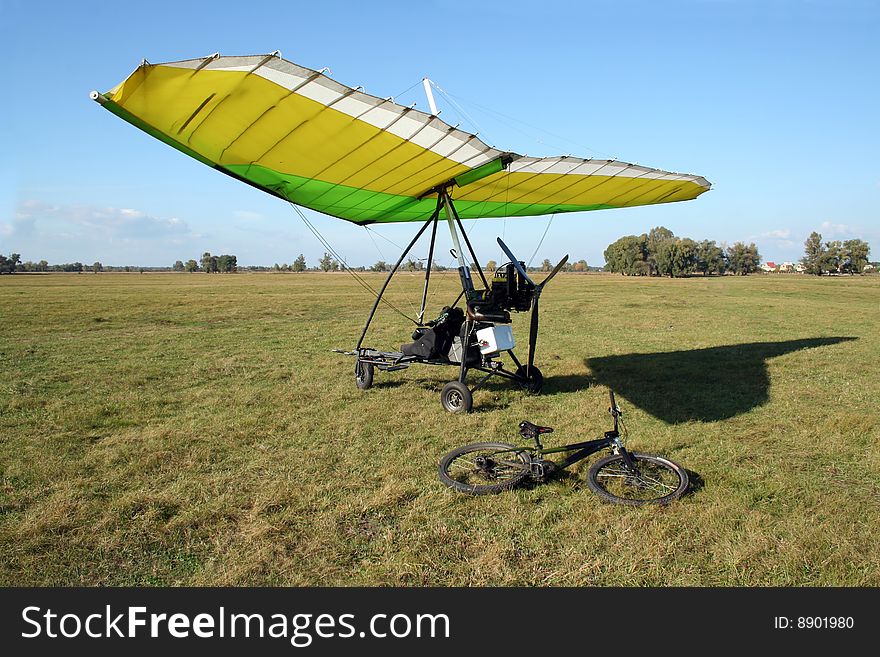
(769, 266)
(786, 267)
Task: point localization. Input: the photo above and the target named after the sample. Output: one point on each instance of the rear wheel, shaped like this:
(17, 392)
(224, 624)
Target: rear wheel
(484, 468)
(534, 382)
(655, 480)
(456, 397)
(363, 375)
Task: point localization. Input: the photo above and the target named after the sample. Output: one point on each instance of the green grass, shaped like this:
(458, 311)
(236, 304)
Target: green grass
(197, 430)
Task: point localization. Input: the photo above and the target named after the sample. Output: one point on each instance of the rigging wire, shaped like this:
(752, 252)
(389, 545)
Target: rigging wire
(376, 232)
(552, 216)
(406, 91)
(345, 266)
(370, 235)
(500, 115)
(459, 108)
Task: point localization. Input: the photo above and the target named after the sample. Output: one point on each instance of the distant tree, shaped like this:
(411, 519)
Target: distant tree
(815, 255)
(97, 267)
(209, 263)
(491, 265)
(546, 265)
(178, 265)
(674, 257)
(300, 263)
(662, 257)
(191, 266)
(685, 262)
(326, 263)
(42, 266)
(227, 264)
(858, 252)
(657, 244)
(379, 266)
(412, 265)
(743, 259)
(580, 265)
(277, 267)
(8, 265)
(628, 256)
(709, 258)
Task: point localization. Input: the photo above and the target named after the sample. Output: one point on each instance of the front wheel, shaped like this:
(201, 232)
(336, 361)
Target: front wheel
(655, 480)
(363, 375)
(484, 468)
(534, 382)
(456, 397)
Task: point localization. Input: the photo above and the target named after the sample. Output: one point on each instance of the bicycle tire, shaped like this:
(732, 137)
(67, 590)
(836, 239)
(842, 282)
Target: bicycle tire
(660, 481)
(459, 470)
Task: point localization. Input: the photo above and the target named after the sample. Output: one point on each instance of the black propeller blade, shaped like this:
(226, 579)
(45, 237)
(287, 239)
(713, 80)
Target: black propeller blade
(555, 271)
(533, 328)
(516, 263)
(533, 323)
(533, 332)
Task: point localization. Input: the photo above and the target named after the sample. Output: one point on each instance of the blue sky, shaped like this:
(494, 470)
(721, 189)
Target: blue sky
(775, 102)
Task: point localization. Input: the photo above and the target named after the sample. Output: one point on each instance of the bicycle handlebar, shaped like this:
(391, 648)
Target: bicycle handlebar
(615, 412)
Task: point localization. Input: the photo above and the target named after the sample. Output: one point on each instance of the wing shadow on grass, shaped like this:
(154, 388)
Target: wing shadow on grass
(699, 384)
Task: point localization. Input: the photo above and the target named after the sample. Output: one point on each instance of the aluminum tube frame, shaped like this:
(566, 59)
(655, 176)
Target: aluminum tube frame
(409, 247)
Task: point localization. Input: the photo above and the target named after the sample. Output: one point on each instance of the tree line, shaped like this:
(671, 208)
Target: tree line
(13, 263)
(656, 253)
(841, 257)
(210, 264)
(661, 253)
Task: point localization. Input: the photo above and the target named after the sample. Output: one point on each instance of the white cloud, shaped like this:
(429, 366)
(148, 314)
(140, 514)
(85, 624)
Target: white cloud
(247, 215)
(781, 234)
(830, 229)
(92, 221)
(65, 233)
(778, 239)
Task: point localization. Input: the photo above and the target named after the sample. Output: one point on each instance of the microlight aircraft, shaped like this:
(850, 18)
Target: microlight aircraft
(300, 135)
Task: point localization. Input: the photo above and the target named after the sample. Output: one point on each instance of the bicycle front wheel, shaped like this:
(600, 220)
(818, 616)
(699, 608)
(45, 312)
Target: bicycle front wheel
(655, 480)
(484, 468)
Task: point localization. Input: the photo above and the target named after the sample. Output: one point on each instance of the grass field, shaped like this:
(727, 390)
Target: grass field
(188, 429)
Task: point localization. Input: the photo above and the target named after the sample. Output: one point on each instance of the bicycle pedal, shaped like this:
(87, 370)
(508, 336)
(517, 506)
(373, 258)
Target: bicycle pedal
(542, 470)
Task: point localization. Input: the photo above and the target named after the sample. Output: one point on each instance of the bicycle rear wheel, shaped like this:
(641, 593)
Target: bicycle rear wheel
(656, 480)
(484, 468)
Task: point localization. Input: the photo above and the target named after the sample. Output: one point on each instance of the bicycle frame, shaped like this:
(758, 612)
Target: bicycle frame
(580, 450)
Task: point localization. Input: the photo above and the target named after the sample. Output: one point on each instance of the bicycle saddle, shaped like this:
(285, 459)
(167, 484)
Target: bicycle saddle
(529, 430)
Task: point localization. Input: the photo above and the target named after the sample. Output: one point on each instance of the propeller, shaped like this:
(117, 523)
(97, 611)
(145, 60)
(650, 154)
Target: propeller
(539, 287)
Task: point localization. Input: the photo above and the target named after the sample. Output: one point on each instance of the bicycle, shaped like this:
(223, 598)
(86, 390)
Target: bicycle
(622, 477)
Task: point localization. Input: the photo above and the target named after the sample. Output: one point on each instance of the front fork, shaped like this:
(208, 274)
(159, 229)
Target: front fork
(629, 462)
